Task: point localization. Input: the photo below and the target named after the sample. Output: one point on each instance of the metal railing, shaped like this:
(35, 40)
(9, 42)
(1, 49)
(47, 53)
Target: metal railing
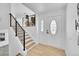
(16, 26)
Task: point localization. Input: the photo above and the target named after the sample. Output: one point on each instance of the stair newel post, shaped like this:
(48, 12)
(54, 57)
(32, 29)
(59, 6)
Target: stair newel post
(16, 28)
(23, 40)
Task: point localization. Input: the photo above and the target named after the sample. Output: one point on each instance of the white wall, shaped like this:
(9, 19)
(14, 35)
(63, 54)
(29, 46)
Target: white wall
(57, 40)
(4, 22)
(72, 47)
(15, 45)
(19, 10)
(4, 16)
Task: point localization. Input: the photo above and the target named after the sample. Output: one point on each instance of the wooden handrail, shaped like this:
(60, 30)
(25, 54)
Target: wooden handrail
(16, 22)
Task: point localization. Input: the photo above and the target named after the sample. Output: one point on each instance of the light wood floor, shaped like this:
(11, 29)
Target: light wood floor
(44, 50)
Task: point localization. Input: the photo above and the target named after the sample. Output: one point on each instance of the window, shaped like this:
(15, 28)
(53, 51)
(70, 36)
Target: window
(42, 26)
(53, 27)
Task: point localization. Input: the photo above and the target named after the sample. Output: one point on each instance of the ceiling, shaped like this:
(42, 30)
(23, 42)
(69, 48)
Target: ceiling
(44, 7)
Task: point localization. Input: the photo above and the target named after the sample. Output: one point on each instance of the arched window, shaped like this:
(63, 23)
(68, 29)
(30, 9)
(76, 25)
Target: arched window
(42, 26)
(53, 27)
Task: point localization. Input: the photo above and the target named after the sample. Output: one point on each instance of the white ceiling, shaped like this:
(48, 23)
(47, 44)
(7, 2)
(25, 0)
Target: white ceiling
(44, 7)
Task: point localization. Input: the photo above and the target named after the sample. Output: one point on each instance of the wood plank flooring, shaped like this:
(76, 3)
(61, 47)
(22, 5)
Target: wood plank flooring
(45, 50)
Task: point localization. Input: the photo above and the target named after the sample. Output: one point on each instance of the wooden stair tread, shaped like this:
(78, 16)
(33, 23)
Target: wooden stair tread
(30, 45)
(25, 39)
(21, 32)
(25, 36)
(28, 37)
(26, 42)
(22, 35)
(21, 38)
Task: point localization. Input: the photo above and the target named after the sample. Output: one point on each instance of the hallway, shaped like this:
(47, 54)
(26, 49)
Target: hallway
(55, 28)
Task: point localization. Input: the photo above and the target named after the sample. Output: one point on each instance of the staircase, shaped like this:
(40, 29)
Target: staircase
(29, 43)
(24, 37)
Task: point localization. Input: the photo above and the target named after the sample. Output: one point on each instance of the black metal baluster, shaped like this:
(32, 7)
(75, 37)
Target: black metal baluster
(24, 40)
(10, 20)
(16, 28)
